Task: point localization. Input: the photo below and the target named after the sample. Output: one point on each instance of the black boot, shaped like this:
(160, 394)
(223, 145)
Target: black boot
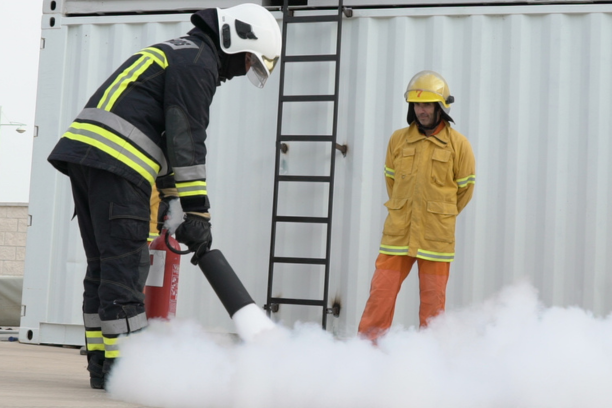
(97, 383)
(95, 366)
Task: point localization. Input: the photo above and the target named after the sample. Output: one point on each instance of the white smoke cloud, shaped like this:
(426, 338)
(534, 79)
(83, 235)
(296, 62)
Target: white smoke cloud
(507, 352)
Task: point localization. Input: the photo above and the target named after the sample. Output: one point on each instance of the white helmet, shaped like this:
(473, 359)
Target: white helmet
(253, 29)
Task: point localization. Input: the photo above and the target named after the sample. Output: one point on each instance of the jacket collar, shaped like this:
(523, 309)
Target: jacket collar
(441, 138)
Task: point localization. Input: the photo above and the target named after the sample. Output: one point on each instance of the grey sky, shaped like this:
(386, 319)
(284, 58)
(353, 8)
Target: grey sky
(20, 45)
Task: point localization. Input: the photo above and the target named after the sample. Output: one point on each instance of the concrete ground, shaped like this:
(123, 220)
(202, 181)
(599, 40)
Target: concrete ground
(46, 376)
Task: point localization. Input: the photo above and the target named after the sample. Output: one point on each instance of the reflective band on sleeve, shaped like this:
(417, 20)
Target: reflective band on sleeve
(152, 236)
(127, 131)
(197, 172)
(393, 250)
(389, 173)
(435, 256)
(115, 146)
(191, 188)
(91, 320)
(462, 182)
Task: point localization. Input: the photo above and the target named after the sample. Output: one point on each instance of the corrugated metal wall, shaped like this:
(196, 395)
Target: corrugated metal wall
(533, 90)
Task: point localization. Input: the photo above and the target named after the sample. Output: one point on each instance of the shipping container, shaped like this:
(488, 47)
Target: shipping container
(532, 87)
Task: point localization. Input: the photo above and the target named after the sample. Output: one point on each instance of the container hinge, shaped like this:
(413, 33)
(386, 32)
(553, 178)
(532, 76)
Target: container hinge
(334, 310)
(272, 307)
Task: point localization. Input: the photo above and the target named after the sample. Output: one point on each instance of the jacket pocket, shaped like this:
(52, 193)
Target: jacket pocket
(406, 161)
(440, 166)
(128, 222)
(440, 221)
(397, 219)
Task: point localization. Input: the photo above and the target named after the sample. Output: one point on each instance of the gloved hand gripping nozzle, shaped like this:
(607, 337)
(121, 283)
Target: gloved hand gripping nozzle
(195, 232)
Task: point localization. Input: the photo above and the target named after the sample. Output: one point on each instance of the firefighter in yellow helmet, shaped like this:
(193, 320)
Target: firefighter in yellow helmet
(430, 176)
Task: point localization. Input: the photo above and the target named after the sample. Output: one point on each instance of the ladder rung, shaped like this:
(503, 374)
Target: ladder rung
(306, 261)
(306, 302)
(311, 58)
(305, 138)
(305, 220)
(316, 179)
(312, 19)
(308, 98)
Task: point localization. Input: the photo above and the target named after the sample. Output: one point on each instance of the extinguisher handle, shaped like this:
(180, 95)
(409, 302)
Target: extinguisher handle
(176, 251)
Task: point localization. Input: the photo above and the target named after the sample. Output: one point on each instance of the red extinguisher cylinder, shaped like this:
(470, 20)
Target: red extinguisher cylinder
(161, 289)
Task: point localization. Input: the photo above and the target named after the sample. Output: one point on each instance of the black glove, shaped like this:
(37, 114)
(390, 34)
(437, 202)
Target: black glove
(195, 233)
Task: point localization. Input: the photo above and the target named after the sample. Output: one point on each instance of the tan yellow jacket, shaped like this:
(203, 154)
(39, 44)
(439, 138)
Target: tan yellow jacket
(429, 181)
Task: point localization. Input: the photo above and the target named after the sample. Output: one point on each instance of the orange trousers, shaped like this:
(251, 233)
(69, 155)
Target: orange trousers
(391, 270)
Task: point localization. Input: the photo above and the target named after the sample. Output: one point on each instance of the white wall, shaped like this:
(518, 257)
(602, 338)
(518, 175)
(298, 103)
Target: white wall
(532, 91)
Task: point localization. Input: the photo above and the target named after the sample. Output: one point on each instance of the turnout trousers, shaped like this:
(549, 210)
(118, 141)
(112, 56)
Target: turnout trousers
(113, 216)
(391, 271)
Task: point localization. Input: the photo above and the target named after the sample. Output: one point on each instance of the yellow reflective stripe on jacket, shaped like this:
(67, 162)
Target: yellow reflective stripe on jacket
(435, 256)
(157, 55)
(152, 236)
(115, 146)
(389, 172)
(393, 250)
(111, 347)
(131, 74)
(119, 126)
(462, 182)
(94, 341)
(191, 188)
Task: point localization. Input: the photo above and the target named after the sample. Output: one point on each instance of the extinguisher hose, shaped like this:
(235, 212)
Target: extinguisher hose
(176, 251)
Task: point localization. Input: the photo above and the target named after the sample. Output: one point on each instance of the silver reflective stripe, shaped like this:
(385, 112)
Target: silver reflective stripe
(91, 320)
(428, 255)
(124, 326)
(128, 131)
(95, 340)
(111, 347)
(157, 53)
(393, 251)
(197, 172)
(464, 182)
(182, 190)
(118, 326)
(137, 322)
(129, 75)
(115, 147)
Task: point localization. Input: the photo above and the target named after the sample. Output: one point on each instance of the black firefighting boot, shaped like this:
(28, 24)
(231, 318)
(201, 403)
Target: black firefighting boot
(95, 364)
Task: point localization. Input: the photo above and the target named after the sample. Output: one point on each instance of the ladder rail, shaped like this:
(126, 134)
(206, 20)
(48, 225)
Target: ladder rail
(272, 301)
(332, 166)
(279, 124)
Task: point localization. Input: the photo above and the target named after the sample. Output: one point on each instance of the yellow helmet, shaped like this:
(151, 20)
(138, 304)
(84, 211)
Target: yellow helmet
(429, 86)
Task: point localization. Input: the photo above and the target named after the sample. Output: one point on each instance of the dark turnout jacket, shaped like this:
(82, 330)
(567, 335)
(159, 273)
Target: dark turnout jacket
(148, 120)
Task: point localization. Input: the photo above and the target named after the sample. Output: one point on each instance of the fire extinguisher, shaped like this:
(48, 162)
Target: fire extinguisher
(161, 288)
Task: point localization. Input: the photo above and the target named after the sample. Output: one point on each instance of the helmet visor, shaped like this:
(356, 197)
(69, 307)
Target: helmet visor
(260, 69)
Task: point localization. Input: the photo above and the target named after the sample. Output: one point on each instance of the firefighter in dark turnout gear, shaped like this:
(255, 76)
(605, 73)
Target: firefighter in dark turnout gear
(146, 125)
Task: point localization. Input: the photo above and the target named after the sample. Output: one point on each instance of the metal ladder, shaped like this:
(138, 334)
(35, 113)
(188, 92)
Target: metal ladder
(273, 303)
